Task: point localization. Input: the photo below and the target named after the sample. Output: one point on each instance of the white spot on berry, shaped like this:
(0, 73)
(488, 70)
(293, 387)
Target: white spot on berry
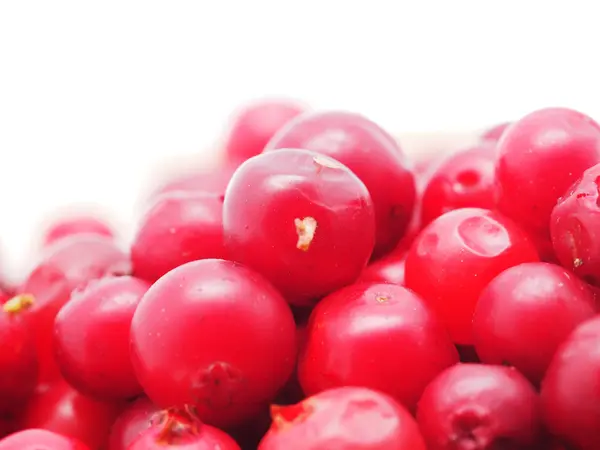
(305, 228)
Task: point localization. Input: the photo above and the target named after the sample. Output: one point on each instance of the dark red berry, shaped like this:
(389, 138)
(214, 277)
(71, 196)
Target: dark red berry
(570, 395)
(465, 179)
(526, 312)
(456, 256)
(480, 407)
(574, 227)
(495, 133)
(225, 334)
(91, 338)
(256, 124)
(179, 227)
(135, 419)
(34, 439)
(539, 157)
(18, 357)
(372, 154)
(60, 408)
(70, 226)
(301, 219)
(389, 269)
(346, 418)
(380, 336)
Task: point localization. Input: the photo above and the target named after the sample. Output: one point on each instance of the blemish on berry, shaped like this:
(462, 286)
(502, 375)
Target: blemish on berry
(19, 303)
(305, 229)
(380, 298)
(285, 416)
(322, 161)
(217, 385)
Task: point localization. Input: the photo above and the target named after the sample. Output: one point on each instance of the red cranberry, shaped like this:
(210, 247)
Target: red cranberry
(539, 157)
(480, 407)
(18, 358)
(525, 313)
(292, 391)
(91, 338)
(178, 430)
(570, 394)
(70, 226)
(370, 322)
(34, 439)
(256, 124)
(302, 220)
(61, 409)
(389, 269)
(135, 419)
(574, 224)
(225, 334)
(346, 418)
(465, 179)
(369, 152)
(180, 227)
(457, 255)
(495, 133)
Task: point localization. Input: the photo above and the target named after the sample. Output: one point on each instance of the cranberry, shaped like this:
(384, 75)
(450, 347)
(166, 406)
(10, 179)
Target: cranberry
(180, 227)
(475, 406)
(465, 179)
(524, 314)
(173, 429)
(18, 358)
(130, 424)
(70, 226)
(292, 391)
(256, 124)
(495, 133)
(389, 269)
(34, 439)
(225, 334)
(210, 181)
(60, 408)
(91, 338)
(370, 322)
(457, 255)
(369, 152)
(539, 157)
(570, 395)
(302, 220)
(573, 225)
(346, 418)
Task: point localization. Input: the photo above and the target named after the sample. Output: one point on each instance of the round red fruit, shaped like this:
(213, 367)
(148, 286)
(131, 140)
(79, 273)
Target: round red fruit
(371, 153)
(179, 227)
(526, 312)
(570, 395)
(225, 334)
(91, 338)
(380, 336)
(539, 157)
(456, 256)
(475, 406)
(465, 179)
(256, 124)
(34, 439)
(389, 269)
(301, 219)
(130, 424)
(347, 418)
(70, 226)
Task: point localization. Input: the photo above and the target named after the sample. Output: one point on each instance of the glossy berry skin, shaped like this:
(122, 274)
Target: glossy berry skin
(256, 124)
(91, 338)
(389, 269)
(569, 394)
(70, 226)
(495, 133)
(346, 418)
(480, 407)
(574, 227)
(465, 179)
(179, 227)
(232, 348)
(35, 439)
(18, 356)
(372, 154)
(353, 332)
(301, 219)
(456, 256)
(526, 312)
(60, 408)
(135, 419)
(539, 157)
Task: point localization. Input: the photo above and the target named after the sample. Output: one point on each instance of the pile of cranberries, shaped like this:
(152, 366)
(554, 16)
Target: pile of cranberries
(314, 292)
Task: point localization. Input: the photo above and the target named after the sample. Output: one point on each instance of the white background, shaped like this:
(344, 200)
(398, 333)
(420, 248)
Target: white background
(94, 95)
